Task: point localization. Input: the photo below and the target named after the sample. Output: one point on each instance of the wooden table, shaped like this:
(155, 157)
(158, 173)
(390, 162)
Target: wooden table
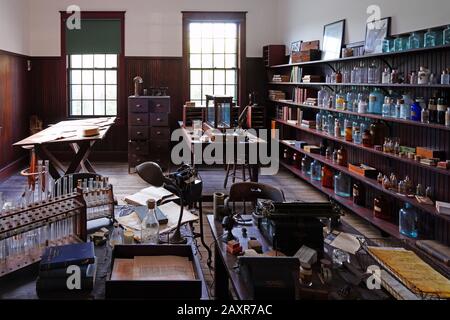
(227, 271)
(195, 144)
(65, 132)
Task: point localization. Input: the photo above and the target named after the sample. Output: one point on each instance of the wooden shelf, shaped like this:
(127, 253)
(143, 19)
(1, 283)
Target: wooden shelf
(364, 57)
(366, 115)
(377, 85)
(371, 150)
(367, 214)
(370, 182)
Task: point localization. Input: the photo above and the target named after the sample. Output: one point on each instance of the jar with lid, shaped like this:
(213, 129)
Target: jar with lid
(441, 110)
(432, 108)
(382, 208)
(359, 194)
(367, 139)
(376, 101)
(342, 185)
(430, 39)
(414, 41)
(342, 157)
(386, 110)
(327, 177)
(316, 171)
(408, 221)
(340, 101)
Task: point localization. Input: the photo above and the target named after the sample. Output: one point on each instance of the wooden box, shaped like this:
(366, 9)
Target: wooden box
(192, 113)
(155, 290)
(310, 45)
(429, 153)
(363, 170)
(274, 54)
(306, 56)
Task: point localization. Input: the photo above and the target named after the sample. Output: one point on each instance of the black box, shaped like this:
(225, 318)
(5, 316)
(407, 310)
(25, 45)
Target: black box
(155, 290)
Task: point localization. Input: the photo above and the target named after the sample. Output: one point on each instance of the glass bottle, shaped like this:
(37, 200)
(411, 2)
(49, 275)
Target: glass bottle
(416, 111)
(306, 166)
(386, 110)
(447, 118)
(367, 139)
(327, 177)
(381, 208)
(445, 77)
(362, 102)
(446, 36)
(363, 73)
(376, 101)
(400, 43)
(116, 236)
(342, 157)
(150, 225)
(386, 76)
(322, 96)
(351, 98)
(337, 128)
(430, 39)
(378, 131)
(348, 130)
(316, 171)
(338, 78)
(358, 194)
(441, 110)
(423, 77)
(340, 101)
(319, 121)
(432, 108)
(408, 221)
(425, 116)
(414, 41)
(373, 74)
(405, 110)
(387, 45)
(342, 185)
(330, 124)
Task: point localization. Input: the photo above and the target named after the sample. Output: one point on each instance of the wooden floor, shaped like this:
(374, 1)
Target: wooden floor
(126, 184)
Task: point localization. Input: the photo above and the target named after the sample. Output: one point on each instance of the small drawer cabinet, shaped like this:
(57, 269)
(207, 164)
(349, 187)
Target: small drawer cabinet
(148, 131)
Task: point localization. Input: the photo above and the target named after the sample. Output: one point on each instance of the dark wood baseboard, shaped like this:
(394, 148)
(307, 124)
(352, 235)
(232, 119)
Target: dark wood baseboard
(13, 168)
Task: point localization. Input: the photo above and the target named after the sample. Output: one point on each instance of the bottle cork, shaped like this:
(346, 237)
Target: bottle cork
(151, 203)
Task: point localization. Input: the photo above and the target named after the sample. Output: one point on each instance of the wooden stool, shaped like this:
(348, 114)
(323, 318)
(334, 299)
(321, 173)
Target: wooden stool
(234, 167)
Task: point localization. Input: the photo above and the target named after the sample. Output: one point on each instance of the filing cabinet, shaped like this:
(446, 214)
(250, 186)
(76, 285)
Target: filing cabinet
(148, 131)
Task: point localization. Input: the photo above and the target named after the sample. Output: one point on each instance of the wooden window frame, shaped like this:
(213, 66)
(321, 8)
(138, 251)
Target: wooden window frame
(121, 81)
(214, 16)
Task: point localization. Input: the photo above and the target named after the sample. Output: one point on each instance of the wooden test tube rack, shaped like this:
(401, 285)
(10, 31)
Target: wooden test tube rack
(41, 215)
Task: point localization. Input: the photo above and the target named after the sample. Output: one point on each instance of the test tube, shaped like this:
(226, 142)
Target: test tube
(39, 180)
(58, 188)
(70, 183)
(47, 179)
(65, 190)
(91, 184)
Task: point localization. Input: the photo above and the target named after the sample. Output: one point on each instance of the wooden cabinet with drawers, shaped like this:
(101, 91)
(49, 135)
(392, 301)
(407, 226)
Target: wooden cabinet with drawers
(148, 131)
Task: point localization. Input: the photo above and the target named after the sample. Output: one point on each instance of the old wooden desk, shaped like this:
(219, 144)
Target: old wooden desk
(196, 144)
(65, 132)
(226, 271)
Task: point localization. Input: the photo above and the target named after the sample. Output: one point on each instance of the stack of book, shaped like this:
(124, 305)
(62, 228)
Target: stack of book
(302, 94)
(69, 268)
(296, 74)
(311, 78)
(277, 95)
(280, 78)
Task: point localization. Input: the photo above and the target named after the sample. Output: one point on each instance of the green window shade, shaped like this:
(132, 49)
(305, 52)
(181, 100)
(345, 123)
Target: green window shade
(95, 37)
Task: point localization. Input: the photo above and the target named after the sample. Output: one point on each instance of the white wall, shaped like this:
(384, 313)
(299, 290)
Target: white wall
(152, 27)
(304, 19)
(14, 30)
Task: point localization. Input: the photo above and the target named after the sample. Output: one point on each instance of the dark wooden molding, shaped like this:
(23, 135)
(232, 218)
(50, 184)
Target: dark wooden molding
(14, 54)
(205, 16)
(12, 168)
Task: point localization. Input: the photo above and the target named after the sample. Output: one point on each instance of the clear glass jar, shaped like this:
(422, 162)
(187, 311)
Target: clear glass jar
(446, 36)
(316, 171)
(374, 74)
(414, 41)
(430, 39)
(408, 221)
(342, 185)
(376, 101)
(150, 225)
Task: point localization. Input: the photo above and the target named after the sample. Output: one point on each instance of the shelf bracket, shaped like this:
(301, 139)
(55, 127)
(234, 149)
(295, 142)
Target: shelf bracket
(330, 66)
(386, 63)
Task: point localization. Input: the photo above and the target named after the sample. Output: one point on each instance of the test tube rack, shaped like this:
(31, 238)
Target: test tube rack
(100, 203)
(25, 233)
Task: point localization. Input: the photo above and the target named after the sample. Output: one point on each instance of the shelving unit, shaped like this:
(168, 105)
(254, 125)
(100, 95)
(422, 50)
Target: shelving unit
(412, 134)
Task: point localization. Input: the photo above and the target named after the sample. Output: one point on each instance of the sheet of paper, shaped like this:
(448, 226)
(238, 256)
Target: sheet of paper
(163, 268)
(140, 198)
(346, 242)
(131, 222)
(172, 212)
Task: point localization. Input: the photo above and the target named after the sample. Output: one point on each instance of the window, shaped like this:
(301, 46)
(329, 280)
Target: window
(214, 55)
(213, 58)
(93, 84)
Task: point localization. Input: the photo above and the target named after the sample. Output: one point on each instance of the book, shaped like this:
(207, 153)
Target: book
(435, 249)
(64, 256)
(140, 198)
(86, 271)
(59, 282)
(443, 208)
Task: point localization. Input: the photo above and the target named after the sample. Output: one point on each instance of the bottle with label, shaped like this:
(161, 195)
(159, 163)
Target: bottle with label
(425, 116)
(386, 76)
(447, 118)
(342, 157)
(150, 225)
(362, 102)
(351, 98)
(342, 185)
(405, 110)
(340, 101)
(367, 139)
(348, 130)
(414, 41)
(322, 96)
(327, 177)
(430, 39)
(316, 171)
(441, 110)
(408, 221)
(416, 111)
(423, 77)
(359, 194)
(432, 108)
(386, 111)
(376, 101)
(446, 36)
(445, 77)
(381, 208)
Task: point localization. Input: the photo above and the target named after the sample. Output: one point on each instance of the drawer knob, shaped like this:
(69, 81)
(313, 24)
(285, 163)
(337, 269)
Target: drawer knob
(158, 105)
(139, 119)
(158, 133)
(138, 148)
(139, 133)
(158, 119)
(138, 106)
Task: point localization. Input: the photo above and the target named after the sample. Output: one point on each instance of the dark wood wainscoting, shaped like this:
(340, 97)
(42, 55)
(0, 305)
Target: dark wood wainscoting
(14, 110)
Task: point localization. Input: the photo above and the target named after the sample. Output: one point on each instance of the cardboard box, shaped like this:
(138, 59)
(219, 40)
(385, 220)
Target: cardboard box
(312, 149)
(363, 170)
(429, 153)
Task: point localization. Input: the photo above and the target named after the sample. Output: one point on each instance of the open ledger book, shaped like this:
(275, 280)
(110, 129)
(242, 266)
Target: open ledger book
(140, 198)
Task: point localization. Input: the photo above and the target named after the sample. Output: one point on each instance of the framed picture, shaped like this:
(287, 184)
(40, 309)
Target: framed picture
(376, 32)
(333, 37)
(295, 47)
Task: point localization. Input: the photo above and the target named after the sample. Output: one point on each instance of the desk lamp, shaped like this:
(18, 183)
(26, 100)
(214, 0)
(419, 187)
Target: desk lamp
(152, 173)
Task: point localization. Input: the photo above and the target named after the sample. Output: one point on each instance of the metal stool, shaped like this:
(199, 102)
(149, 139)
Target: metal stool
(232, 169)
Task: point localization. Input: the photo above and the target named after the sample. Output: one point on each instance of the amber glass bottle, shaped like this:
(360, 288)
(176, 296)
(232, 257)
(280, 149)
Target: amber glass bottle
(342, 157)
(381, 208)
(327, 177)
(367, 139)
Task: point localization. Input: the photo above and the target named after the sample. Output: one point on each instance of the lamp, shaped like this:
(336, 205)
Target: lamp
(152, 173)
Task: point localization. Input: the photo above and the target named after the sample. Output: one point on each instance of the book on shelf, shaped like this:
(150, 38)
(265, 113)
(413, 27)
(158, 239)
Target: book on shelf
(311, 78)
(300, 95)
(63, 256)
(277, 95)
(296, 74)
(443, 208)
(280, 78)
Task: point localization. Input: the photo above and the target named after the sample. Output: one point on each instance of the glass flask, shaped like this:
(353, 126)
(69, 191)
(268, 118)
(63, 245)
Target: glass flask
(342, 185)
(150, 225)
(316, 171)
(408, 221)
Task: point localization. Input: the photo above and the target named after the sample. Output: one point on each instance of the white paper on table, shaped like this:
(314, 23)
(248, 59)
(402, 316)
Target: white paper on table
(346, 242)
(172, 212)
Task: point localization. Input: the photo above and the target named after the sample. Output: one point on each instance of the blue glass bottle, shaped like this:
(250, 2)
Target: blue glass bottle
(416, 111)
(342, 185)
(414, 41)
(386, 112)
(446, 36)
(400, 44)
(430, 39)
(316, 171)
(376, 101)
(319, 121)
(408, 221)
(388, 45)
